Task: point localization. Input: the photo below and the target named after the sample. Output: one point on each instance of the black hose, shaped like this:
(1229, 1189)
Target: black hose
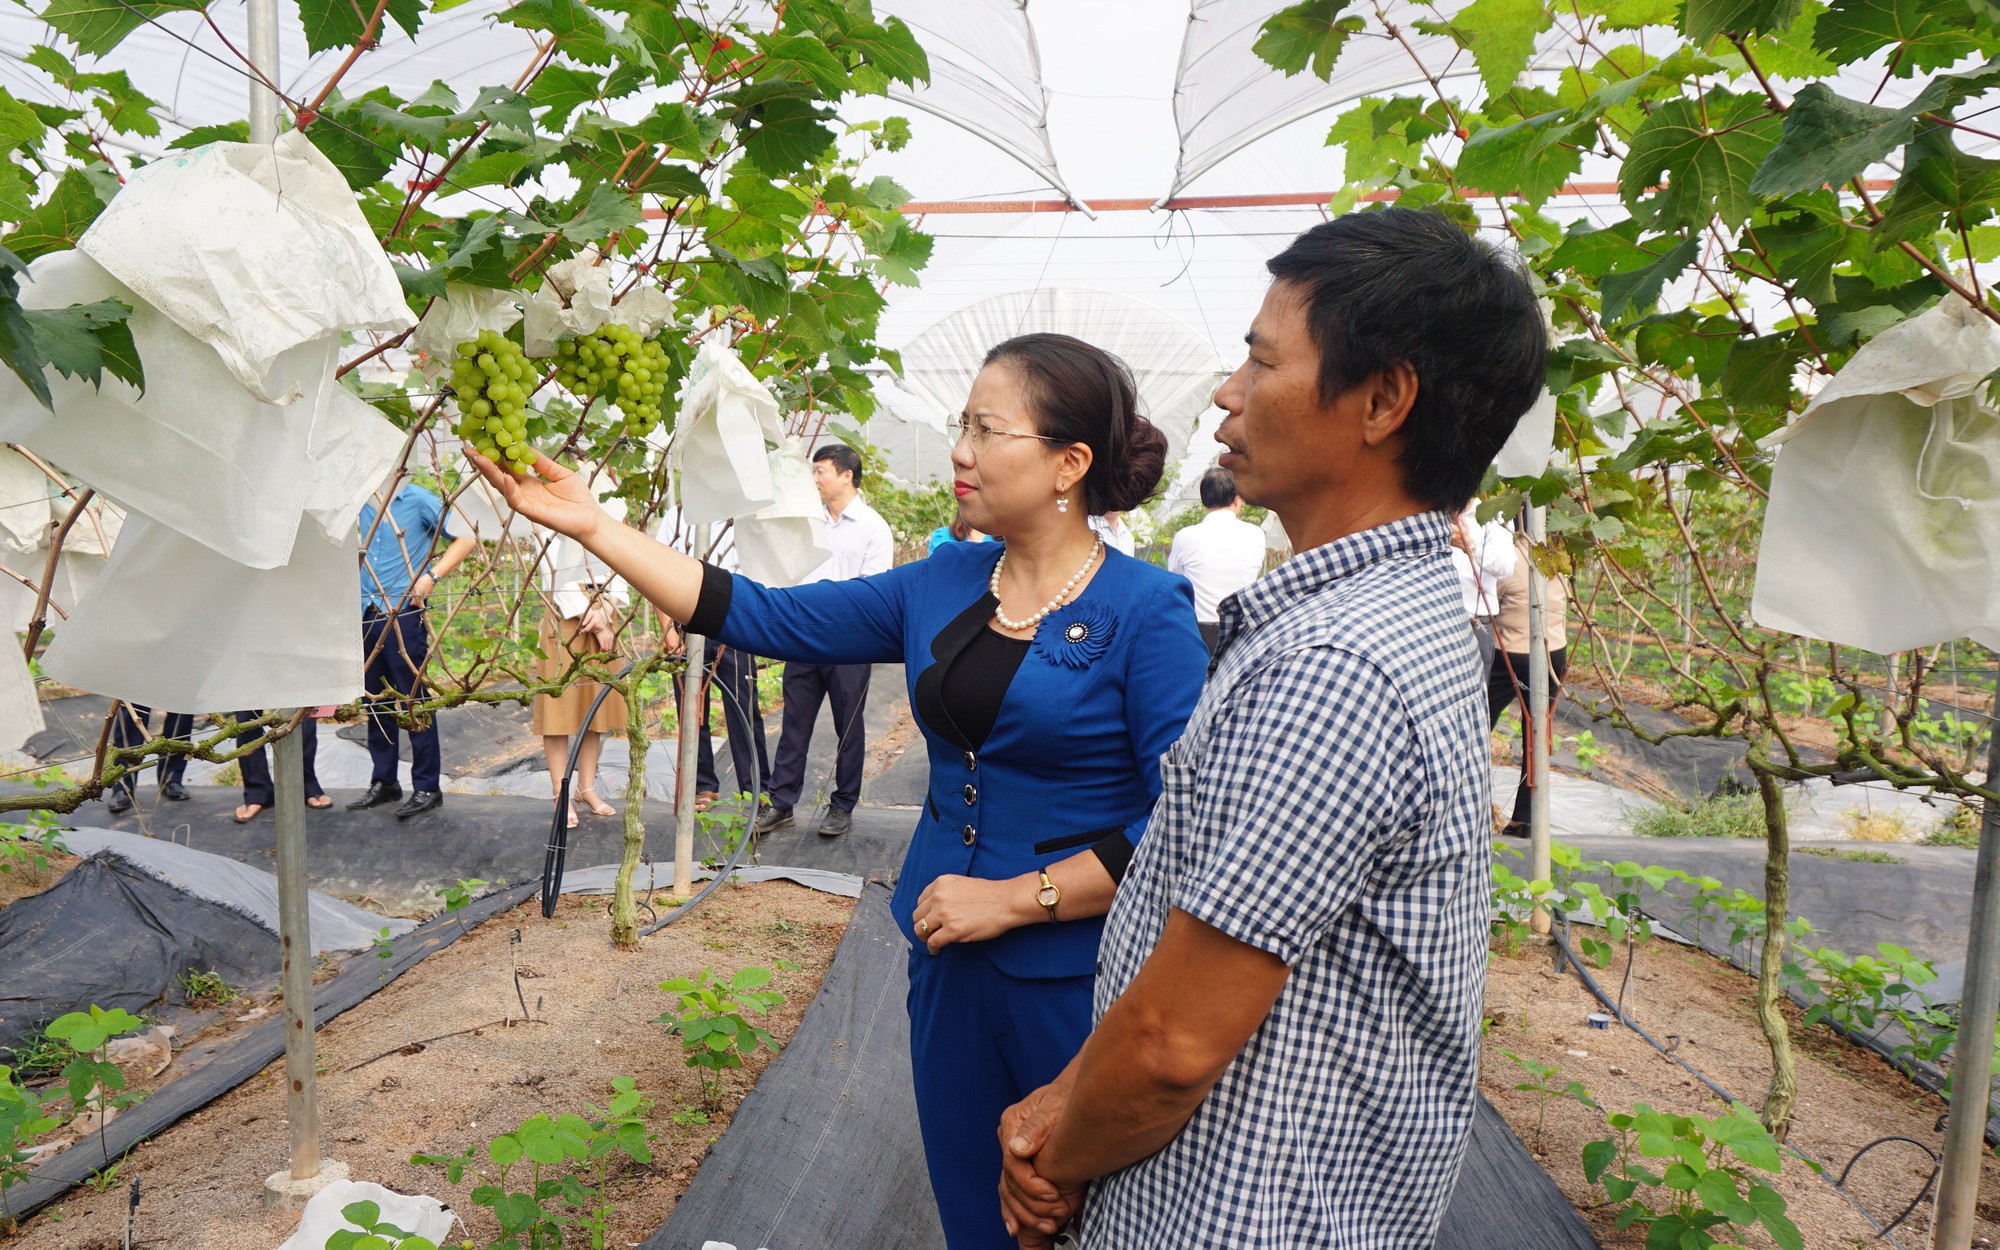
(749, 836)
(557, 851)
(1561, 936)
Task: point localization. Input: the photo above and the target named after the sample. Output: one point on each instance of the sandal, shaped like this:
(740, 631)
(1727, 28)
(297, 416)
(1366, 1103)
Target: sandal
(572, 823)
(247, 812)
(705, 799)
(320, 802)
(597, 806)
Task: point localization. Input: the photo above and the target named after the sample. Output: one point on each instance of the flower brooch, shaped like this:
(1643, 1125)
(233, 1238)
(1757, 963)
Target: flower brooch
(1075, 635)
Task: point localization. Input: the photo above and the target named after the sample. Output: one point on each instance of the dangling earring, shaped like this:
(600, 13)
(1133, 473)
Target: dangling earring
(1062, 503)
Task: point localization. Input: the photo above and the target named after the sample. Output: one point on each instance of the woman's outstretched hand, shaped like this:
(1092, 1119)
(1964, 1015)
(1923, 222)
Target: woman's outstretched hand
(554, 497)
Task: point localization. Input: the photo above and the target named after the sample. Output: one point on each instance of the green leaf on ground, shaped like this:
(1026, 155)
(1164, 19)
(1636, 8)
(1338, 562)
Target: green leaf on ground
(1306, 37)
(83, 340)
(1704, 151)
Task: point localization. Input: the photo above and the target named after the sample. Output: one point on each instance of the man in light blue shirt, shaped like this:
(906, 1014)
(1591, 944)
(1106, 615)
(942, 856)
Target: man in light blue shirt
(397, 575)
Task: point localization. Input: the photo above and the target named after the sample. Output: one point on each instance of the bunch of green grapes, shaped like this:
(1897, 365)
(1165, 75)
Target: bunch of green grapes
(615, 363)
(491, 378)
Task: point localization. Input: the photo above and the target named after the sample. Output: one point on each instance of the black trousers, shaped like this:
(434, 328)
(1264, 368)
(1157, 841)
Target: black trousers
(257, 785)
(1211, 633)
(1507, 681)
(846, 687)
(735, 680)
(129, 729)
(394, 682)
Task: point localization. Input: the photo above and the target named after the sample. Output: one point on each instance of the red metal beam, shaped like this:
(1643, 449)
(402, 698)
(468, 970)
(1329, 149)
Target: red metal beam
(1295, 199)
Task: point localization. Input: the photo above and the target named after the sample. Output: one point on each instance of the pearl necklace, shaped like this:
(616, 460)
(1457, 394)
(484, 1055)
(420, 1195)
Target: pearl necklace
(1061, 595)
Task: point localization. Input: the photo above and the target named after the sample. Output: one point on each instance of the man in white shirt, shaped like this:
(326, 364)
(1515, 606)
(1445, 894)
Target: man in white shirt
(1483, 556)
(1220, 554)
(1117, 535)
(861, 545)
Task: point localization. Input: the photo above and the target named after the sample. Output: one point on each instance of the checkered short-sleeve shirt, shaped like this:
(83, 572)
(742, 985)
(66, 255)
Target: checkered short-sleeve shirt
(1328, 804)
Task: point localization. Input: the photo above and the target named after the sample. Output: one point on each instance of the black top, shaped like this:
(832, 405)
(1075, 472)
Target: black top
(976, 681)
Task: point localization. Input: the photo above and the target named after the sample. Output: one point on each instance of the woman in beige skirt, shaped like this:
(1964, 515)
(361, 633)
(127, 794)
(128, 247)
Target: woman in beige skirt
(584, 602)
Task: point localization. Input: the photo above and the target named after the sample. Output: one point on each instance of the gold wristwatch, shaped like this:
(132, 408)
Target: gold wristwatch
(1048, 896)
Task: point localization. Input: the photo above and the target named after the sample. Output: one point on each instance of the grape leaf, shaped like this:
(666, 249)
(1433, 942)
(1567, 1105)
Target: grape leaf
(340, 23)
(1759, 373)
(1308, 36)
(19, 126)
(1790, 53)
(563, 90)
(98, 26)
(1503, 34)
(1638, 289)
(1703, 20)
(17, 189)
(1634, 14)
(1829, 138)
(801, 58)
(1921, 34)
(1941, 185)
(1534, 157)
(891, 49)
(427, 283)
(58, 221)
(227, 132)
(608, 209)
(1804, 250)
(83, 340)
(789, 133)
(17, 336)
(1706, 150)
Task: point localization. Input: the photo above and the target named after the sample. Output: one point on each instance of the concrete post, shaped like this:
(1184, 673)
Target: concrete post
(1972, 1067)
(1537, 762)
(690, 742)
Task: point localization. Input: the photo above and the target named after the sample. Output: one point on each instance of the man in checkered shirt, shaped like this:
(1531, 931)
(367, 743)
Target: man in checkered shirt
(1289, 988)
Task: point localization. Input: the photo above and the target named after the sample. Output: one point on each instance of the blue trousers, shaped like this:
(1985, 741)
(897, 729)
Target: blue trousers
(393, 683)
(980, 1041)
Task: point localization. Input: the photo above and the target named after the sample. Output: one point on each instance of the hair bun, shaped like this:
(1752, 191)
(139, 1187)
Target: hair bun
(1145, 462)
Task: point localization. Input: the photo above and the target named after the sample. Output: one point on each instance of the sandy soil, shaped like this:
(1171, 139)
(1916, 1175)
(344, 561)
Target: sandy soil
(25, 881)
(391, 1086)
(1847, 1096)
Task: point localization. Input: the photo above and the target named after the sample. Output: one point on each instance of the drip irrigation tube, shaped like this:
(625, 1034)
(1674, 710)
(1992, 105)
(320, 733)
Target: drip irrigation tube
(557, 851)
(1560, 933)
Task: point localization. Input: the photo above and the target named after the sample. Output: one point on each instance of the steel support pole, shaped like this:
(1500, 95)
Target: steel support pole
(690, 741)
(263, 54)
(1537, 761)
(288, 767)
(1972, 1065)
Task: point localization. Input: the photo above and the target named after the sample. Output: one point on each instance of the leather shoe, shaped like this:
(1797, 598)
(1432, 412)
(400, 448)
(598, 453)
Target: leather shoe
(119, 801)
(377, 793)
(419, 802)
(173, 792)
(835, 823)
(770, 818)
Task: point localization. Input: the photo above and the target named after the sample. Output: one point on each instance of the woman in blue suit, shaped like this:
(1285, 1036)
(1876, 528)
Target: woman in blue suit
(1047, 675)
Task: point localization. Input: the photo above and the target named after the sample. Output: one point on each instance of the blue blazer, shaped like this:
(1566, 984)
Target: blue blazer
(1073, 756)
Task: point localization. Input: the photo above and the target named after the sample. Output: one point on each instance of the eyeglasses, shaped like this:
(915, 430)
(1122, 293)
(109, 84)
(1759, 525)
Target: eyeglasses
(981, 435)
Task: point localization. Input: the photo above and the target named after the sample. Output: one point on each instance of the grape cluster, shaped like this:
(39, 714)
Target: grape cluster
(491, 378)
(617, 364)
